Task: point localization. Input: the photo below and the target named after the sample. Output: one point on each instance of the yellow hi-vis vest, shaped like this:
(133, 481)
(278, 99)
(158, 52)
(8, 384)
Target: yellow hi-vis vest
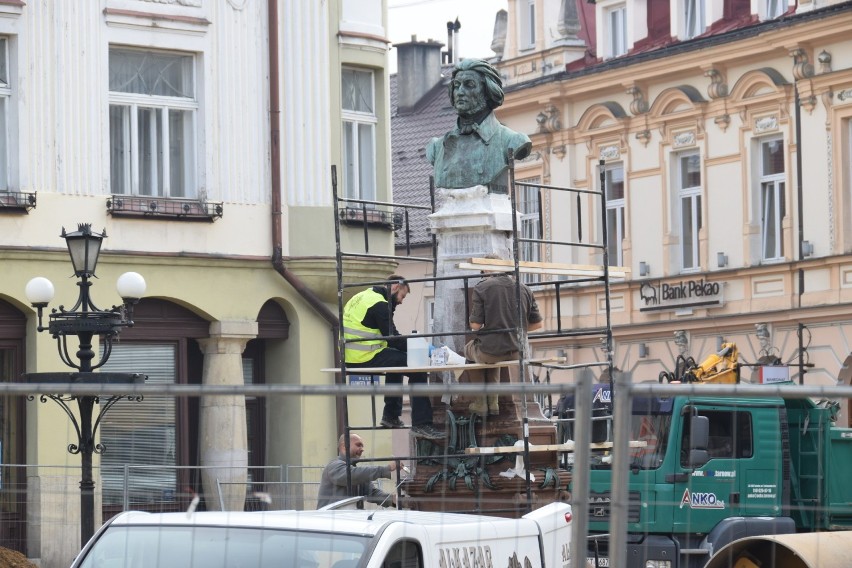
(353, 315)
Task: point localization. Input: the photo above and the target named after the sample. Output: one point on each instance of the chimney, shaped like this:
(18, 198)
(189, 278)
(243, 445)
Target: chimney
(418, 70)
(452, 54)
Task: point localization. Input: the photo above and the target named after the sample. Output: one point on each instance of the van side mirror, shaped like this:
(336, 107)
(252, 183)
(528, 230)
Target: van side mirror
(699, 437)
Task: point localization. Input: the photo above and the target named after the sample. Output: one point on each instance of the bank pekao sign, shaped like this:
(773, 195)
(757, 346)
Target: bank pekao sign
(679, 295)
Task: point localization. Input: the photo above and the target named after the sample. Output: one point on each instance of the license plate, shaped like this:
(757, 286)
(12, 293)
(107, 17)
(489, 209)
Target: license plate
(603, 562)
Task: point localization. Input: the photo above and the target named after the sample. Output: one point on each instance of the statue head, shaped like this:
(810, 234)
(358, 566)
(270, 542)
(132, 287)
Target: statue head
(490, 91)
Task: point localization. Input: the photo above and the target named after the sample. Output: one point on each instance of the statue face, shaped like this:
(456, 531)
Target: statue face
(469, 93)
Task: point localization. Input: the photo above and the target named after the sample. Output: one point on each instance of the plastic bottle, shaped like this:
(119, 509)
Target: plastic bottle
(439, 356)
(418, 351)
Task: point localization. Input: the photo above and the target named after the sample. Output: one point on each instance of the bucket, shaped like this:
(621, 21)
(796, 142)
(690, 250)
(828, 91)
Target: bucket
(418, 351)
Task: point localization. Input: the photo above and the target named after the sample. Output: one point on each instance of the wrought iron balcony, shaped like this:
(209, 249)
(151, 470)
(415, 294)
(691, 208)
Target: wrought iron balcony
(163, 208)
(17, 201)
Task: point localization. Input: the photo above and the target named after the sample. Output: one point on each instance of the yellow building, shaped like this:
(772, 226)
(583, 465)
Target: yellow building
(725, 133)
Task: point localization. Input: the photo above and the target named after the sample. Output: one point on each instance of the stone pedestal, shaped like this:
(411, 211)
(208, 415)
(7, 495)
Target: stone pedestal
(469, 223)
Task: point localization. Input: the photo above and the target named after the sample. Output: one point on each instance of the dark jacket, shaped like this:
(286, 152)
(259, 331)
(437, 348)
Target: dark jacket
(333, 483)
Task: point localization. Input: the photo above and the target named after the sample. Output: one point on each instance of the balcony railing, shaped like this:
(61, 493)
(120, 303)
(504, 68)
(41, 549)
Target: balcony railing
(150, 207)
(17, 201)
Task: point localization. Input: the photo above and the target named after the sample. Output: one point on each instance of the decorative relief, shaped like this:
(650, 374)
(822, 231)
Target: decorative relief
(802, 67)
(548, 120)
(766, 123)
(638, 105)
(723, 121)
(845, 94)
(682, 139)
(644, 136)
(192, 3)
(559, 151)
(610, 152)
(718, 88)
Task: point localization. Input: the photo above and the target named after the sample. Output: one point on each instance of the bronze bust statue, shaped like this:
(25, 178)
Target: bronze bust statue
(475, 152)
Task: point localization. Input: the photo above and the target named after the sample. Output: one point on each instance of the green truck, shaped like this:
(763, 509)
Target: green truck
(716, 469)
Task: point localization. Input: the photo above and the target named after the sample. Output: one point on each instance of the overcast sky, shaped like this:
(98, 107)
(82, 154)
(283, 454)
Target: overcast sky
(427, 19)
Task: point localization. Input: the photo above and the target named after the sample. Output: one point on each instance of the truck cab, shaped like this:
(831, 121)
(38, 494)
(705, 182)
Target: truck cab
(716, 469)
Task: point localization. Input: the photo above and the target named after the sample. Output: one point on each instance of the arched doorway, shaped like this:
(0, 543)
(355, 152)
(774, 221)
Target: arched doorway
(149, 444)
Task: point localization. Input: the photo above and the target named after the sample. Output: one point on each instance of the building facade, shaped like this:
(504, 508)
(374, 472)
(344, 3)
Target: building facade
(723, 130)
(201, 135)
(725, 137)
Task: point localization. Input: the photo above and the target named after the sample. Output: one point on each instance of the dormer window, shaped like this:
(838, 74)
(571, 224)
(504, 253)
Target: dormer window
(775, 8)
(616, 31)
(694, 17)
(527, 21)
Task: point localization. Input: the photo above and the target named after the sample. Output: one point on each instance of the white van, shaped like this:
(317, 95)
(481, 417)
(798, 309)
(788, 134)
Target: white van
(331, 539)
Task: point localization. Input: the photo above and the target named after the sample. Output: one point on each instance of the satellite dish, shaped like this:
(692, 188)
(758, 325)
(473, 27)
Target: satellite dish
(844, 377)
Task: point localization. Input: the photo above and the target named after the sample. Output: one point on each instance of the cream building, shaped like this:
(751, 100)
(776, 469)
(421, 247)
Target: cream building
(200, 134)
(725, 132)
(726, 141)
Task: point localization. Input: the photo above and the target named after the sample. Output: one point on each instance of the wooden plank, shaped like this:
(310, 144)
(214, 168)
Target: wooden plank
(539, 264)
(427, 369)
(557, 268)
(565, 447)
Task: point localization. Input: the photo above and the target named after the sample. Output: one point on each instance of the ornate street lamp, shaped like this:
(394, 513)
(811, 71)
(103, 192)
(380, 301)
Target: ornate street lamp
(85, 320)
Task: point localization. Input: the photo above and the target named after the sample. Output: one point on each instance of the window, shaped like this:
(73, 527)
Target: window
(614, 179)
(141, 434)
(693, 18)
(775, 8)
(616, 31)
(152, 116)
(529, 206)
(527, 24)
(689, 198)
(771, 198)
(730, 435)
(359, 134)
(5, 94)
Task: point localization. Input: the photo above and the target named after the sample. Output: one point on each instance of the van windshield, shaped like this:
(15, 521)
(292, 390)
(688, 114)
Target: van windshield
(222, 547)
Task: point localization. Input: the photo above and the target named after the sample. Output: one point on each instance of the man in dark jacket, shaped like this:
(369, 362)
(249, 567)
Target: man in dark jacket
(333, 481)
(368, 316)
(495, 307)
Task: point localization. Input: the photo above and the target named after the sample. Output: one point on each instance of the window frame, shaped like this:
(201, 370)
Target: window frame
(774, 9)
(6, 146)
(695, 10)
(131, 106)
(529, 204)
(616, 30)
(776, 184)
(527, 21)
(352, 122)
(692, 194)
(616, 254)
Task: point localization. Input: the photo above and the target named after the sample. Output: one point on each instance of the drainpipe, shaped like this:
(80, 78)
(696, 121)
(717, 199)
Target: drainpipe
(277, 247)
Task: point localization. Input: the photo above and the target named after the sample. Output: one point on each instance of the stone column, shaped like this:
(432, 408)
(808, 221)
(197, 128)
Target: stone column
(469, 223)
(222, 432)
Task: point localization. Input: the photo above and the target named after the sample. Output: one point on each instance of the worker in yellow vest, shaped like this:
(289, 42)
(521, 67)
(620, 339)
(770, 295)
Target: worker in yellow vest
(368, 317)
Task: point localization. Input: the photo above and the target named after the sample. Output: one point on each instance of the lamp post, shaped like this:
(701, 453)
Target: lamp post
(85, 320)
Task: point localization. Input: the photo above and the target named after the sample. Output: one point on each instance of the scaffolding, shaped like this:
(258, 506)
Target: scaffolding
(564, 279)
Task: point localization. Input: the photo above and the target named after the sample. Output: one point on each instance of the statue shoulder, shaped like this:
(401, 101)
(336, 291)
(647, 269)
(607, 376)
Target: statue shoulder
(432, 149)
(520, 142)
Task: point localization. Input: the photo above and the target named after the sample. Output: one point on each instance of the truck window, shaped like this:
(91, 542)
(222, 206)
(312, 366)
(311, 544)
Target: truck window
(404, 554)
(730, 435)
(653, 430)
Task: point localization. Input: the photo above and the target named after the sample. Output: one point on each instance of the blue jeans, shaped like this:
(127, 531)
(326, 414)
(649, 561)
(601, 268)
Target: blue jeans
(421, 406)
